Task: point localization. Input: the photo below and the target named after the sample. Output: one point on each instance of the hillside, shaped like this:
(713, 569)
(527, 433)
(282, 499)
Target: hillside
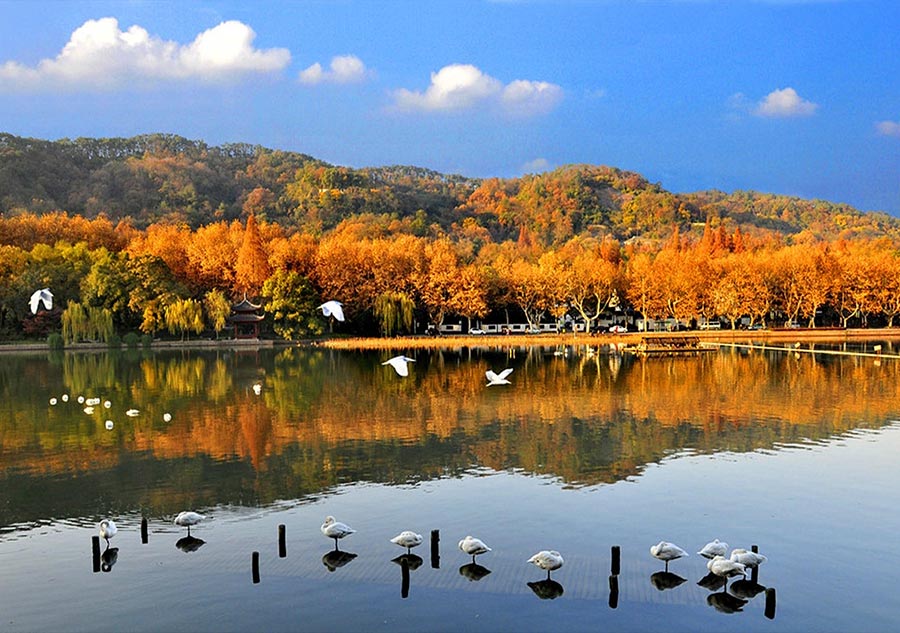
(160, 177)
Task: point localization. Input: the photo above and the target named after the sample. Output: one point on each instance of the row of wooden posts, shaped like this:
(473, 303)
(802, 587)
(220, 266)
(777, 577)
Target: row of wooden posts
(615, 565)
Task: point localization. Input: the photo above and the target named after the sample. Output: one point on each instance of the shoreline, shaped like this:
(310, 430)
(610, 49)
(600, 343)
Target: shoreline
(807, 335)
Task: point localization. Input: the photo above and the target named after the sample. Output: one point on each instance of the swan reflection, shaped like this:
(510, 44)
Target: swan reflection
(108, 558)
(664, 580)
(746, 589)
(546, 589)
(712, 582)
(473, 571)
(336, 558)
(188, 544)
(412, 561)
(724, 602)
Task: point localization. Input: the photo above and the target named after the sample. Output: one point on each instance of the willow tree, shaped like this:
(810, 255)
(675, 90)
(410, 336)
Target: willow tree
(394, 311)
(217, 309)
(74, 322)
(183, 316)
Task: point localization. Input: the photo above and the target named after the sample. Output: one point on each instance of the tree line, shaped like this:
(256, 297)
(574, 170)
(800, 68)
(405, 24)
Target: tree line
(169, 278)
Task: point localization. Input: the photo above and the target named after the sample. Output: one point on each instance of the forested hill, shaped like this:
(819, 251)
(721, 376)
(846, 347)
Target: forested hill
(160, 177)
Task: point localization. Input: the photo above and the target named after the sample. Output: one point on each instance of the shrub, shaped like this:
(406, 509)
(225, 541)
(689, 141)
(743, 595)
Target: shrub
(131, 340)
(55, 341)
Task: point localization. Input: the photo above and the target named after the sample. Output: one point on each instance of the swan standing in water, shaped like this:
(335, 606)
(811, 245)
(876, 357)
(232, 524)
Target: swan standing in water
(666, 551)
(725, 567)
(473, 547)
(547, 559)
(747, 559)
(399, 364)
(187, 519)
(713, 548)
(498, 379)
(336, 530)
(108, 529)
(407, 539)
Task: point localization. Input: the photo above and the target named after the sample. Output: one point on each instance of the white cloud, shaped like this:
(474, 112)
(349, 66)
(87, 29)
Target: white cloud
(345, 69)
(536, 166)
(100, 54)
(462, 86)
(784, 103)
(888, 128)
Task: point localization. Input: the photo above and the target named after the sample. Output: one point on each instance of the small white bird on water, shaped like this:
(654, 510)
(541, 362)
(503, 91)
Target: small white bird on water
(65, 397)
(547, 559)
(187, 519)
(52, 402)
(407, 539)
(713, 548)
(399, 364)
(108, 529)
(336, 530)
(41, 296)
(131, 413)
(109, 425)
(333, 308)
(725, 568)
(666, 551)
(89, 410)
(748, 559)
(167, 417)
(473, 546)
(498, 379)
(257, 388)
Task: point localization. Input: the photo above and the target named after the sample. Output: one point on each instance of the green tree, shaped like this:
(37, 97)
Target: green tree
(291, 301)
(218, 308)
(394, 311)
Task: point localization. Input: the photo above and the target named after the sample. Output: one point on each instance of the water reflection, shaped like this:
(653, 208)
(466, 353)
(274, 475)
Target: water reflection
(746, 589)
(712, 582)
(335, 559)
(473, 571)
(546, 589)
(325, 418)
(665, 580)
(724, 602)
(109, 558)
(188, 544)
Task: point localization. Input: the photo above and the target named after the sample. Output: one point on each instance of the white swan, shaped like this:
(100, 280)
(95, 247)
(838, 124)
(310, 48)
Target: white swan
(52, 402)
(132, 413)
(714, 548)
(498, 379)
(333, 308)
(336, 529)
(65, 397)
(107, 404)
(108, 529)
(725, 568)
(399, 364)
(473, 546)
(407, 539)
(109, 425)
(666, 551)
(41, 296)
(547, 559)
(167, 417)
(748, 559)
(80, 399)
(187, 519)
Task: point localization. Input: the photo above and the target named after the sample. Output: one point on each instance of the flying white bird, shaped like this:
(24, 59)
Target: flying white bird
(187, 519)
(41, 296)
(498, 379)
(108, 529)
(747, 559)
(713, 548)
(547, 559)
(407, 539)
(336, 530)
(333, 308)
(399, 364)
(473, 546)
(667, 551)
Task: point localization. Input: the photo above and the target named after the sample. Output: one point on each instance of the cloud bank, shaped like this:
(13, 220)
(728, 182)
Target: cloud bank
(100, 55)
(783, 104)
(344, 69)
(888, 128)
(459, 87)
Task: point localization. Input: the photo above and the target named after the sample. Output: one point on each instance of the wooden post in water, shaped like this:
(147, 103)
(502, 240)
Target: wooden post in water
(615, 564)
(613, 591)
(255, 565)
(435, 549)
(95, 552)
(754, 573)
(144, 535)
(770, 603)
(404, 586)
(282, 546)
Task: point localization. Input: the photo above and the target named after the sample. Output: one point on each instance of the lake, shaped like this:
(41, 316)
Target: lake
(585, 450)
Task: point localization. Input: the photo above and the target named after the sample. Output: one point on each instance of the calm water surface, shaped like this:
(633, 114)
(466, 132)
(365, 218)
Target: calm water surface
(794, 453)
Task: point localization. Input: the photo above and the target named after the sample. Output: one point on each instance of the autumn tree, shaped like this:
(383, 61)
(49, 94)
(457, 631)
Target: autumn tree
(252, 267)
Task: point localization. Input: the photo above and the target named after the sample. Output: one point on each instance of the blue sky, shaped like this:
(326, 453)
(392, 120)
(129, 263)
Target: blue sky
(798, 97)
